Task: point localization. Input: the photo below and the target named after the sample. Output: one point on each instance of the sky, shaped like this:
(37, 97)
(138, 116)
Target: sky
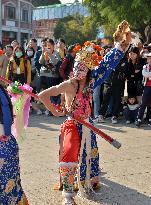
(68, 1)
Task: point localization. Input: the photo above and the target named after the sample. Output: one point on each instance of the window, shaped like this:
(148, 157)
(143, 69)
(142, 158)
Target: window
(10, 12)
(25, 15)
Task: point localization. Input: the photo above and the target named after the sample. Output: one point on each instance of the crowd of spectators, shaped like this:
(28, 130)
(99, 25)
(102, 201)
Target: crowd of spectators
(126, 92)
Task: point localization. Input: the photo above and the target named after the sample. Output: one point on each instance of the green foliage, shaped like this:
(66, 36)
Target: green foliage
(110, 13)
(37, 3)
(76, 29)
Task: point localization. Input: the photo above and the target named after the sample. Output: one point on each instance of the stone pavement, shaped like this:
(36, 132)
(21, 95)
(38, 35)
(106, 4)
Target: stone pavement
(126, 173)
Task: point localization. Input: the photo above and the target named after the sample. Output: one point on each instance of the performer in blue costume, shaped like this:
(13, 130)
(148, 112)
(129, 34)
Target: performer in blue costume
(10, 184)
(122, 39)
(78, 146)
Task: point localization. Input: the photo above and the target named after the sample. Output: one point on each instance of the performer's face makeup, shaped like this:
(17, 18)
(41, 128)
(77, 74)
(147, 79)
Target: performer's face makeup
(80, 71)
(79, 75)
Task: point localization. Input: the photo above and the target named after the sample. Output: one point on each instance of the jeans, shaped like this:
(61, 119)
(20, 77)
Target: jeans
(114, 91)
(145, 101)
(96, 100)
(130, 115)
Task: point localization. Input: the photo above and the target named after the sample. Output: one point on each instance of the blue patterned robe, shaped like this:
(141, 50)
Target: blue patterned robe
(107, 65)
(95, 171)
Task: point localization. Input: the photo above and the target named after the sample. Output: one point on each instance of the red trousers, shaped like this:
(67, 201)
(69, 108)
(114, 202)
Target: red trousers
(69, 142)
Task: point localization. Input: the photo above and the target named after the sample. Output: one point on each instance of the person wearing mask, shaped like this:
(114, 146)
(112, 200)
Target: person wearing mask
(19, 67)
(146, 98)
(30, 52)
(62, 48)
(67, 64)
(134, 73)
(30, 55)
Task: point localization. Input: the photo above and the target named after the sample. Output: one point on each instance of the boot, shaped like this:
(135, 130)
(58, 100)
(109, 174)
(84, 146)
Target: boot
(68, 198)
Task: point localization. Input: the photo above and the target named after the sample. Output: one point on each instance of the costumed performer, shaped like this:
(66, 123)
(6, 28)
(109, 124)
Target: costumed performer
(78, 145)
(11, 191)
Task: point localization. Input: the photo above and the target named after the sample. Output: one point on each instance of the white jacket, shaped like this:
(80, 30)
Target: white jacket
(146, 73)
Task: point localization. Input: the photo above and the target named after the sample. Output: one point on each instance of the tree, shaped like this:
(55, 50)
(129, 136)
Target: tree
(110, 13)
(75, 29)
(37, 3)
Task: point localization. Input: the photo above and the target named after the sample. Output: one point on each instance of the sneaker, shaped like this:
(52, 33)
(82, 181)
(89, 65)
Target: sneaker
(138, 123)
(47, 112)
(100, 119)
(149, 122)
(39, 112)
(114, 120)
(128, 122)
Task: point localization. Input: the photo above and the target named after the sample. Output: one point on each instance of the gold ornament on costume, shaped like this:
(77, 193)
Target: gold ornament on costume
(88, 54)
(121, 32)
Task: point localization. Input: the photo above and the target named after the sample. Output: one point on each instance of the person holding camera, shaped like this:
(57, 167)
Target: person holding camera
(49, 72)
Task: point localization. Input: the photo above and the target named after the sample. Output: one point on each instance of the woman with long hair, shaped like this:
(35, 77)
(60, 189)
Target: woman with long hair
(134, 73)
(11, 191)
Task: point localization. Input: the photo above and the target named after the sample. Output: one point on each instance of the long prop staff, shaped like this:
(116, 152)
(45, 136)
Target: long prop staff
(109, 139)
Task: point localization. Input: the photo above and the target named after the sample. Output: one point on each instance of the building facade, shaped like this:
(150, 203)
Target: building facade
(45, 18)
(15, 20)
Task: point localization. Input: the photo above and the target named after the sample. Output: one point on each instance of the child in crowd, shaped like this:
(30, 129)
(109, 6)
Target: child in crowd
(131, 110)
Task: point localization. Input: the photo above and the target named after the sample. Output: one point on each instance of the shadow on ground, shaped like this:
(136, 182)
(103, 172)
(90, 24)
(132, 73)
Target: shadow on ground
(112, 193)
(45, 122)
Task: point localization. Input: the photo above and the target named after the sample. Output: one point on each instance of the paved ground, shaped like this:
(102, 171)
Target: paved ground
(126, 173)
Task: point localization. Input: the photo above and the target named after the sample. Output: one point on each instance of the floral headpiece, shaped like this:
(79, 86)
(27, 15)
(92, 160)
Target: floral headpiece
(88, 54)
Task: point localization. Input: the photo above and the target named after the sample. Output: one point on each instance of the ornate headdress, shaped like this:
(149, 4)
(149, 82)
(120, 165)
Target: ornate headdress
(88, 54)
(87, 57)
